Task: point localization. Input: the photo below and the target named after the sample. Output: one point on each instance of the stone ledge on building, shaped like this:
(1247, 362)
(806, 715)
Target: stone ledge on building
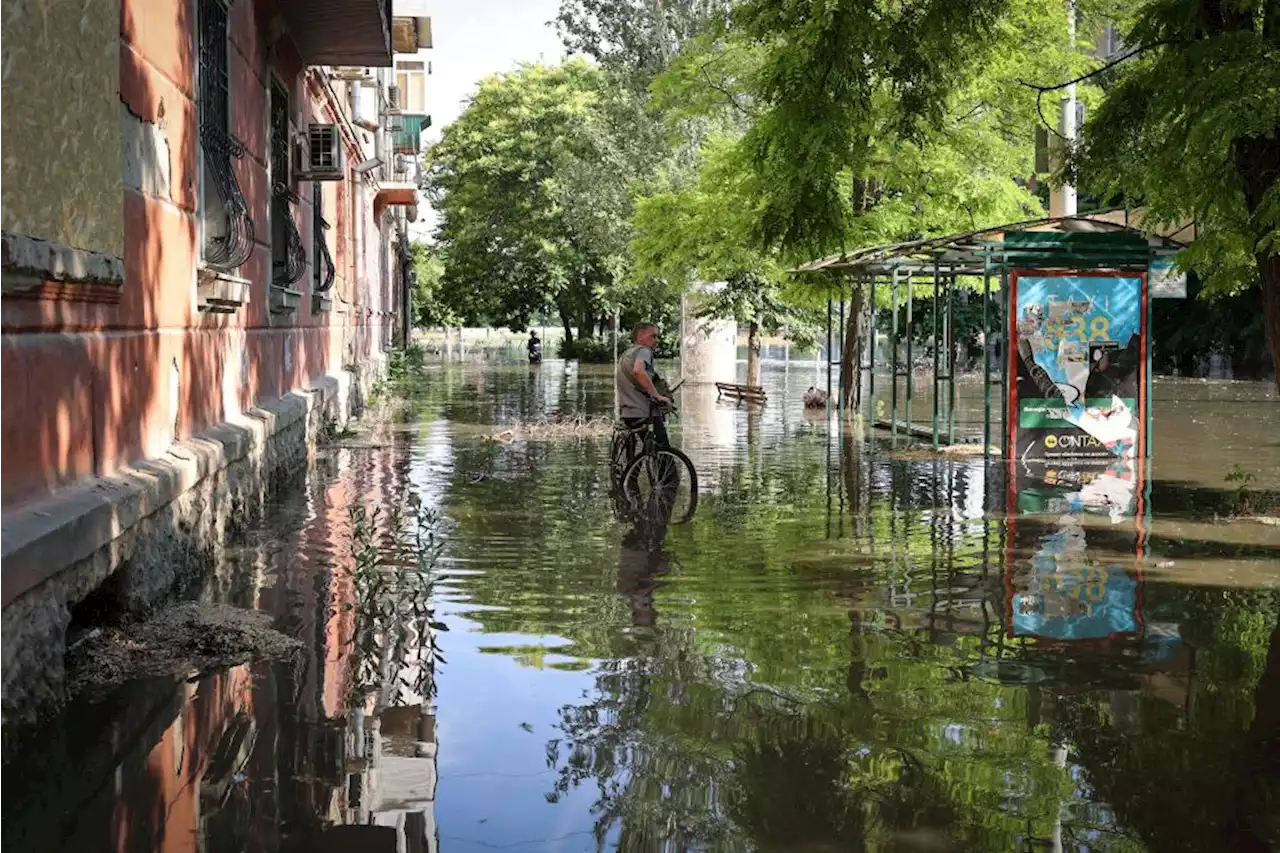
(221, 292)
(44, 269)
(284, 301)
(138, 537)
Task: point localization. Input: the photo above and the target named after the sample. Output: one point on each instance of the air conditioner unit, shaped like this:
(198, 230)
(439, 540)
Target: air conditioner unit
(351, 73)
(321, 158)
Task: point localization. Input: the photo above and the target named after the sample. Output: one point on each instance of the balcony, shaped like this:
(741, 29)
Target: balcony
(408, 139)
(341, 32)
(397, 184)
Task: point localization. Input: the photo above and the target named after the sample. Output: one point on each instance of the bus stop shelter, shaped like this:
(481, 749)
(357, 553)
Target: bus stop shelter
(988, 261)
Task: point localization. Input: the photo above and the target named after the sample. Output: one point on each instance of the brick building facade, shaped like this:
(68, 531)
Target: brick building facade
(205, 260)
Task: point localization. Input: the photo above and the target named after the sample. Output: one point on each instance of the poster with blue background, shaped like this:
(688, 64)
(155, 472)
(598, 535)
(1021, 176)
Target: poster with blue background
(1078, 366)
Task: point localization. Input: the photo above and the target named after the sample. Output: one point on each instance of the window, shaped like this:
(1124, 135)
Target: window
(288, 254)
(411, 78)
(226, 226)
(322, 261)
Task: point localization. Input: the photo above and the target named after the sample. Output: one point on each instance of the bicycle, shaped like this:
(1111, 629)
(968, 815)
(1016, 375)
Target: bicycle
(658, 480)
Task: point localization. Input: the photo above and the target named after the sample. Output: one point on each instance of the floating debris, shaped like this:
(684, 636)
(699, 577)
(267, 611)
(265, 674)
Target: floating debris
(556, 426)
(814, 398)
(175, 641)
(946, 451)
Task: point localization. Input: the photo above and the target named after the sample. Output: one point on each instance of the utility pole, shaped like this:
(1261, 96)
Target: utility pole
(1062, 200)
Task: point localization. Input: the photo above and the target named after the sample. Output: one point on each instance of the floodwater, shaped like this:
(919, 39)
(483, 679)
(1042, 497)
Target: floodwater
(852, 646)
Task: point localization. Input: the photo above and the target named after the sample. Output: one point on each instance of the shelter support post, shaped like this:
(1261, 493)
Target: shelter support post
(937, 395)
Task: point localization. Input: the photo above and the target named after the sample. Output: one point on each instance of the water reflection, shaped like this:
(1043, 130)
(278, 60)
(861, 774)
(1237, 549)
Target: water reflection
(849, 648)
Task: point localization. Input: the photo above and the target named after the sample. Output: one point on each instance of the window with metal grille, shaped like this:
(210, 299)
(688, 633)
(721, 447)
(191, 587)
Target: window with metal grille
(226, 223)
(323, 261)
(288, 254)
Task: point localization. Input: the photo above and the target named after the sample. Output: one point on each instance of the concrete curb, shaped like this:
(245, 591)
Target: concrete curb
(136, 537)
(40, 540)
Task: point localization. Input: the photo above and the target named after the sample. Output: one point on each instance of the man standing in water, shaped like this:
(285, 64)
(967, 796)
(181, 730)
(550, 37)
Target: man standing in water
(638, 383)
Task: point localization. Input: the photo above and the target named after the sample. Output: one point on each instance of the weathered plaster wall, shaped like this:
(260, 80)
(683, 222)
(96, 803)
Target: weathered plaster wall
(167, 371)
(62, 166)
(91, 388)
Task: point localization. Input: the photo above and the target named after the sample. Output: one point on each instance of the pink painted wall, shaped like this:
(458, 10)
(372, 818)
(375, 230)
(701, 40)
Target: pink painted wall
(87, 385)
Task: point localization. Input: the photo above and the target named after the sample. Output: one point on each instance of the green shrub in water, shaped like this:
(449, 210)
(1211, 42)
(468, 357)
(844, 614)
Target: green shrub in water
(588, 350)
(402, 364)
(600, 350)
(392, 564)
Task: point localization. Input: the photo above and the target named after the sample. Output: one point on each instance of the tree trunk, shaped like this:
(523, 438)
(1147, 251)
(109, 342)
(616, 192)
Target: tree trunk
(753, 352)
(1269, 271)
(568, 329)
(586, 323)
(1258, 164)
(851, 354)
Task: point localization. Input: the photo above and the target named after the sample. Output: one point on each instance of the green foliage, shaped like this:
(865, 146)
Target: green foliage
(844, 83)
(392, 573)
(1244, 499)
(966, 318)
(589, 350)
(703, 233)
(407, 363)
(429, 307)
(1190, 131)
(635, 38)
(1181, 126)
(1189, 331)
(533, 186)
(331, 430)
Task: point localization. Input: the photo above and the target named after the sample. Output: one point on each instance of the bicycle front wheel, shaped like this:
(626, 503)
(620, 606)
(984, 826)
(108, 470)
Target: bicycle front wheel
(662, 485)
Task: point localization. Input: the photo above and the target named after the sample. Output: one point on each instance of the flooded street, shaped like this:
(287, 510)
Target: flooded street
(852, 646)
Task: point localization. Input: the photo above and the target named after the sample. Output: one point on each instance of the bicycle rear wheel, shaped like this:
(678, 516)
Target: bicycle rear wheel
(662, 485)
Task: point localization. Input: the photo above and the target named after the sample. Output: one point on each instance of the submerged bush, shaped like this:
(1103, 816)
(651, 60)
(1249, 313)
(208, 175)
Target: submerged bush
(402, 364)
(589, 350)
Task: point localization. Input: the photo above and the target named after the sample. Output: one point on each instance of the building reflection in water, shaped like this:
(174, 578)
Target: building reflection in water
(272, 757)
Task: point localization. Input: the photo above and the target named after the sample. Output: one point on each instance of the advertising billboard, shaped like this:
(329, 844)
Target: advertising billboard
(1077, 367)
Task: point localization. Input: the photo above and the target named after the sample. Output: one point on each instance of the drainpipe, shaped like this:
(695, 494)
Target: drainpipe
(408, 278)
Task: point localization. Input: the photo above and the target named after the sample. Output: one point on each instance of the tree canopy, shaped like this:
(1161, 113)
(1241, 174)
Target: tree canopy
(533, 186)
(1190, 131)
(718, 140)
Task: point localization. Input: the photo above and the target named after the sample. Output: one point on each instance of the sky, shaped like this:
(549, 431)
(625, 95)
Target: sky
(474, 38)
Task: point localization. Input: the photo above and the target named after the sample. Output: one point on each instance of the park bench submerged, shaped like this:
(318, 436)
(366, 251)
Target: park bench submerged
(741, 393)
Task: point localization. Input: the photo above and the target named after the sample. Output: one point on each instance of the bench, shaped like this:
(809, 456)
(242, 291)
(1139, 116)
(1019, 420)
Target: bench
(742, 393)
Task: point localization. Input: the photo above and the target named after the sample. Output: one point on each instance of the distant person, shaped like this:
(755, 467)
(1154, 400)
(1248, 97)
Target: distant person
(535, 348)
(639, 400)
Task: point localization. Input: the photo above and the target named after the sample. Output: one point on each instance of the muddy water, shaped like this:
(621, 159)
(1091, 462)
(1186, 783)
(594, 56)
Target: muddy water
(849, 648)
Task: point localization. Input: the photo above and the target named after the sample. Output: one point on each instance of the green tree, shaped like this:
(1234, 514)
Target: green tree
(635, 38)
(532, 183)
(702, 233)
(912, 163)
(876, 120)
(1190, 130)
(429, 308)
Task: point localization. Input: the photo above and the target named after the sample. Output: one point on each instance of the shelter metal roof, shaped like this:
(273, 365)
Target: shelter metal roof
(1113, 242)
